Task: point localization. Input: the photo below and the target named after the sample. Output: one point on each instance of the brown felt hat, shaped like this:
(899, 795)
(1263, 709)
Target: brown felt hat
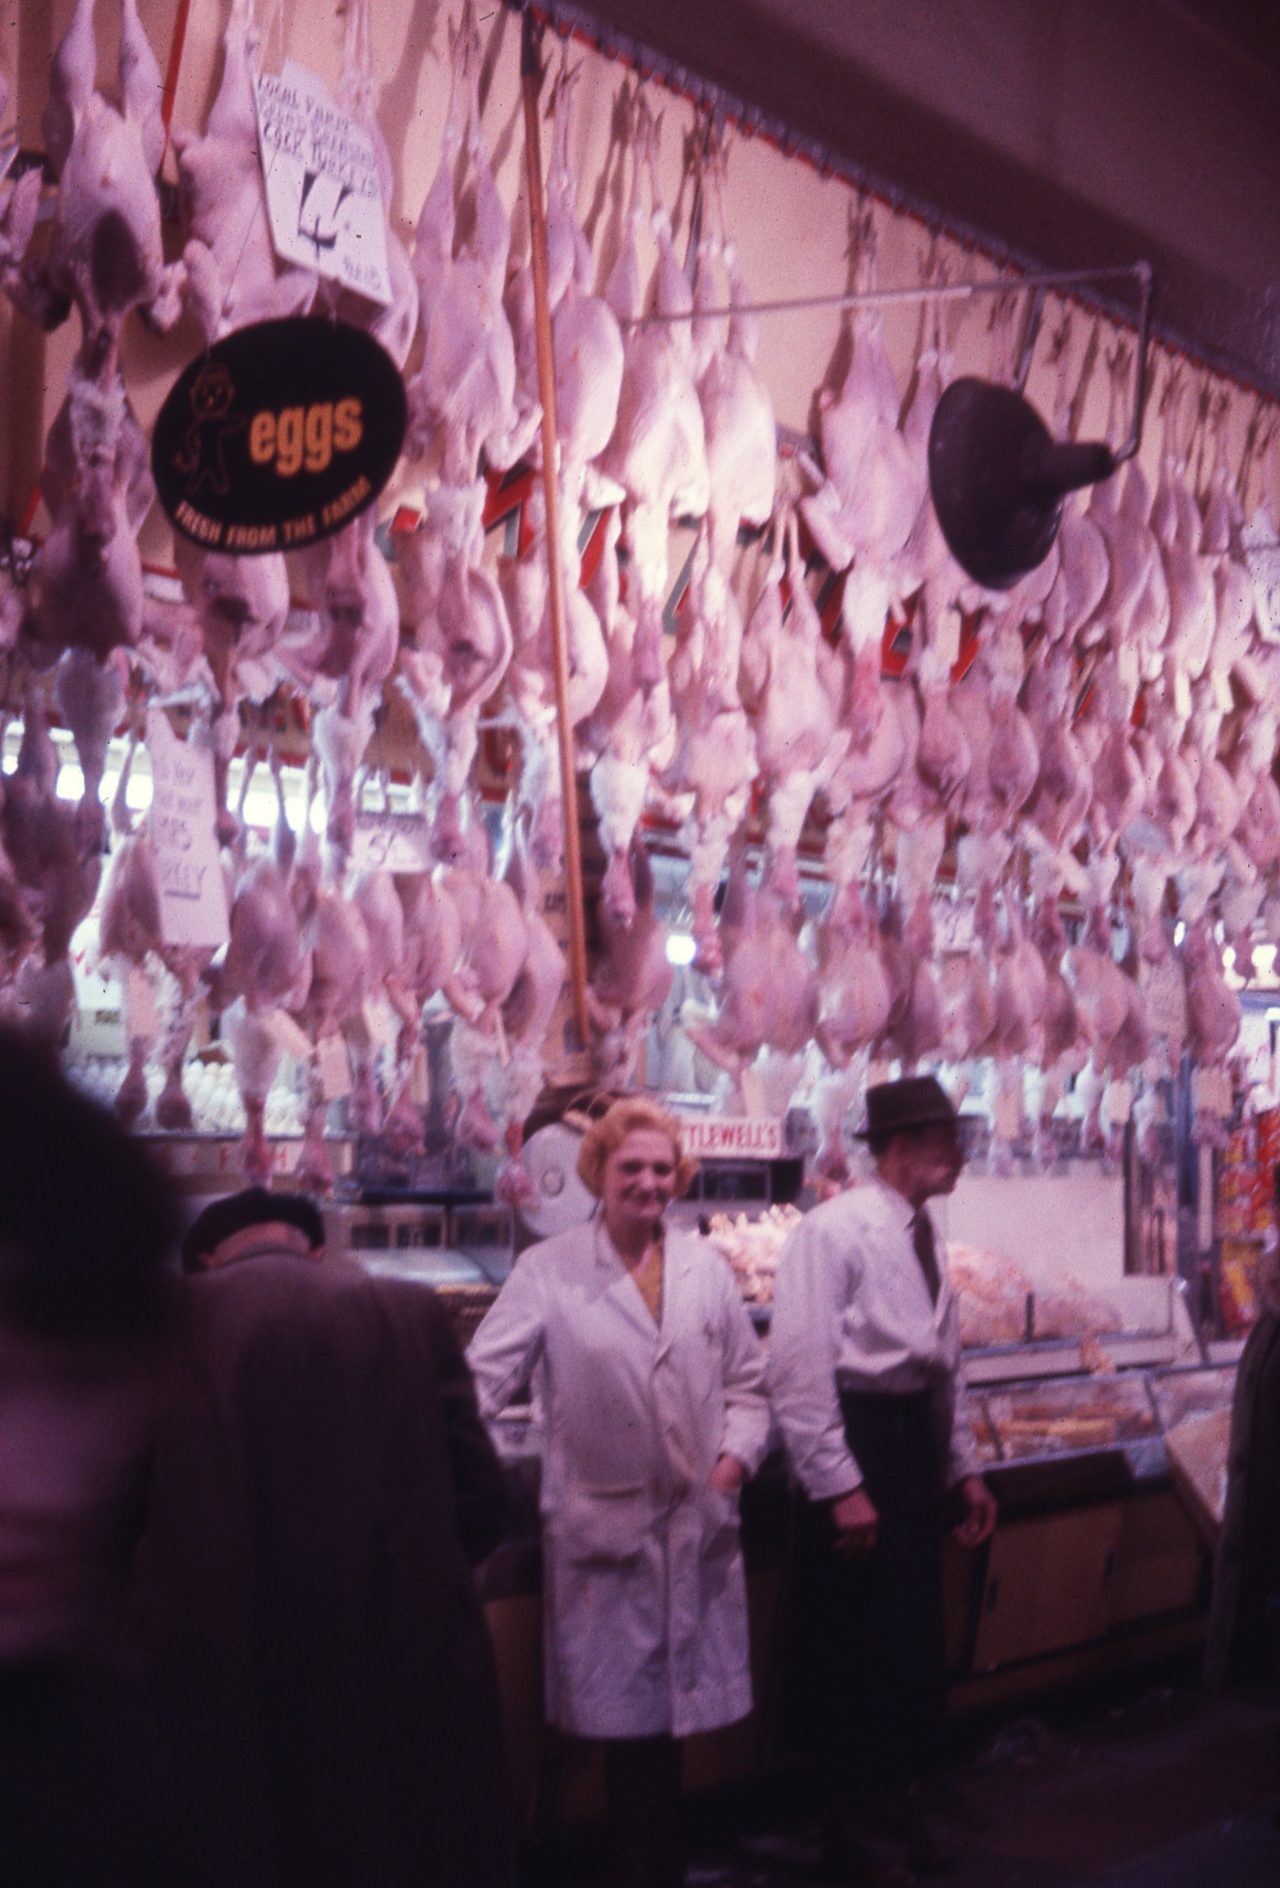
(917, 1101)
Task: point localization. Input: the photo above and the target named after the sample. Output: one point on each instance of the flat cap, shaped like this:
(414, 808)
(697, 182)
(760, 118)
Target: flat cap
(255, 1206)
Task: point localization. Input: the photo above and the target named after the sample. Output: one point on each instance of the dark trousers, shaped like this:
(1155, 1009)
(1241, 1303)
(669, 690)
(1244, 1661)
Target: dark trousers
(867, 1689)
(642, 1789)
(86, 1799)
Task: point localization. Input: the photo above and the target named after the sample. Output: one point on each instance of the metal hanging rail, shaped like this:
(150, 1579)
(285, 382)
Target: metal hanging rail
(887, 297)
(960, 291)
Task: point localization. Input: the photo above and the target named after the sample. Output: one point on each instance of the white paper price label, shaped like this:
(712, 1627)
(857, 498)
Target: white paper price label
(334, 1068)
(1181, 694)
(1165, 998)
(290, 1039)
(193, 895)
(753, 1099)
(1211, 1093)
(141, 1015)
(379, 1021)
(391, 842)
(324, 200)
(947, 641)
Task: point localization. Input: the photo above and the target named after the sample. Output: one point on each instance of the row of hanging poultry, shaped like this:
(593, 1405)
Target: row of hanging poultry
(1013, 839)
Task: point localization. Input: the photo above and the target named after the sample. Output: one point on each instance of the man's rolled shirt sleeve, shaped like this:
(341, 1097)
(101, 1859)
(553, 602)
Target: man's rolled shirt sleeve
(810, 1289)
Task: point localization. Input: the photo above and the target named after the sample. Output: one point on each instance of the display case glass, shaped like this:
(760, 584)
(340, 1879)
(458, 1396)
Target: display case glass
(973, 1414)
(1179, 1394)
(1070, 1415)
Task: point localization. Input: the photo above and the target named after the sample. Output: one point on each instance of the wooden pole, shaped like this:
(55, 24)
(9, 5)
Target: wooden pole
(531, 85)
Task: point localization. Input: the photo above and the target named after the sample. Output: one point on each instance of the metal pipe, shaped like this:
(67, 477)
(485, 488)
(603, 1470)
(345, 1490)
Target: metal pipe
(961, 291)
(1130, 445)
(530, 86)
(887, 297)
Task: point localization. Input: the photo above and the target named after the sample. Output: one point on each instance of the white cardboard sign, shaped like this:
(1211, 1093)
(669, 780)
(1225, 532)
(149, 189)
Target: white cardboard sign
(391, 842)
(324, 200)
(193, 894)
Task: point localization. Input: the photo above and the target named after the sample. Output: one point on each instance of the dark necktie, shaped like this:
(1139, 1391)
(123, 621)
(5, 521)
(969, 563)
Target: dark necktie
(926, 1252)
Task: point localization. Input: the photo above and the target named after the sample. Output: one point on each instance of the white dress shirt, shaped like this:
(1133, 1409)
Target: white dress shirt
(852, 1311)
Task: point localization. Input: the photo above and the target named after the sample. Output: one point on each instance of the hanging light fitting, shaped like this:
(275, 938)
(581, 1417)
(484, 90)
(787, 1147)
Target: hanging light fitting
(997, 476)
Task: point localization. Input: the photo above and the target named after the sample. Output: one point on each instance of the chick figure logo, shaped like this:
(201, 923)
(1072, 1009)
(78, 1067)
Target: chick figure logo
(213, 424)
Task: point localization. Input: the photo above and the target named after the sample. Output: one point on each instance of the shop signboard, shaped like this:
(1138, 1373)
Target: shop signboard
(278, 435)
(733, 1137)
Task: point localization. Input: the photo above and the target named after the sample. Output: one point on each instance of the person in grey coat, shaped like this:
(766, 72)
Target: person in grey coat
(240, 1641)
(305, 1593)
(1243, 1644)
(240, 1228)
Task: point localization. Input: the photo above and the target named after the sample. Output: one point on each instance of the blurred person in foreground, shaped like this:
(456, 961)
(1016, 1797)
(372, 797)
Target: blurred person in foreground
(86, 1228)
(1243, 1645)
(864, 1371)
(650, 1381)
(240, 1644)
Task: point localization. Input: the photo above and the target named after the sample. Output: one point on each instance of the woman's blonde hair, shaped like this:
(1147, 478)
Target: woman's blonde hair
(625, 1117)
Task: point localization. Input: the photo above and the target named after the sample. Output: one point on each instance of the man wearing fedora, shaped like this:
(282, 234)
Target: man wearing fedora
(864, 1371)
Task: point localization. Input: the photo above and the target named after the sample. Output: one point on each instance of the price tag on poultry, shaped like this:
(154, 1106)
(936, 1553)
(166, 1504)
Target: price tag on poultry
(335, 1070)
(948, 640)
(379, 1021)
(1211, 1092)
(391, 842)
(193, 894)
(1165, 994)
(290, 1038)
(753, 1096)
(140, 1004)
(321, 173)
(1181, 694)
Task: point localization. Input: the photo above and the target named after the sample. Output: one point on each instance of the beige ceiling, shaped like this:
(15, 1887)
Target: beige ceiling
(1072, 133)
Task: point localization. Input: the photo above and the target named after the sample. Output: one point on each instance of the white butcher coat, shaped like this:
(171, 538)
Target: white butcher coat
(644, 1594)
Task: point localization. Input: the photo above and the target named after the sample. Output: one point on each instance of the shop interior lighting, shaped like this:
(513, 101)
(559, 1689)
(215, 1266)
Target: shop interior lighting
(260, 802)
(681, 949)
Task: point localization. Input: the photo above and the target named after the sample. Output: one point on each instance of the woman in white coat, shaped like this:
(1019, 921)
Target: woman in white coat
(651, 1384)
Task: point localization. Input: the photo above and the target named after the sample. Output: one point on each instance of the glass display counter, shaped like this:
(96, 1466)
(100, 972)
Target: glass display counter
(1069, 1416)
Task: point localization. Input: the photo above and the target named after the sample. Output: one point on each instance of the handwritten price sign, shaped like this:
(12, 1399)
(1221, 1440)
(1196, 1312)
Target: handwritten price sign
(193, 896)
(391, 842)
(324, 200)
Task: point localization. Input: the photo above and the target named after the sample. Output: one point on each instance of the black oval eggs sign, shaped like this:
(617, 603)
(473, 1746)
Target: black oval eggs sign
(278, 435)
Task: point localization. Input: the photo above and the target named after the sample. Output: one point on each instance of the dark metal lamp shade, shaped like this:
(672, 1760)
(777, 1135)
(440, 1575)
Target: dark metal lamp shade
(998, 479)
